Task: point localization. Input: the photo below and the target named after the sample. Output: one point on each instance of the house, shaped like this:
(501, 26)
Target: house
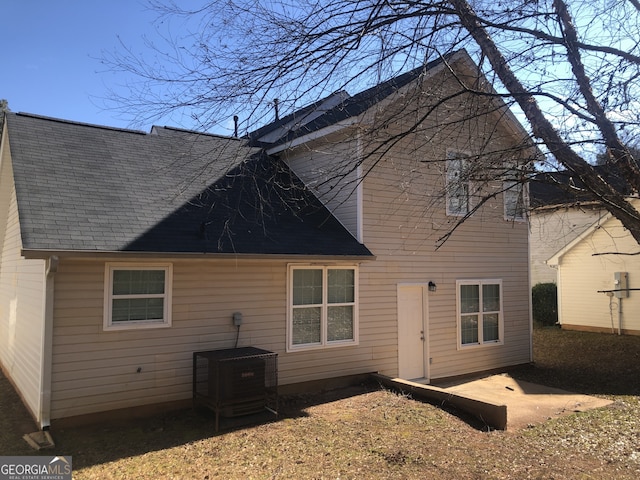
(125, 252)
(577, 244)
(552, 228)
(597, 275)
(561, 211)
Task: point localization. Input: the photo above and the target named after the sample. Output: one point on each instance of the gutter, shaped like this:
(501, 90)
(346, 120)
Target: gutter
(120, 255)
(44, 415)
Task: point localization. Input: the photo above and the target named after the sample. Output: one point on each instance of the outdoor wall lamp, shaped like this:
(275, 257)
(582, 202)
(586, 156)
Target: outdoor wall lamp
(432, 287)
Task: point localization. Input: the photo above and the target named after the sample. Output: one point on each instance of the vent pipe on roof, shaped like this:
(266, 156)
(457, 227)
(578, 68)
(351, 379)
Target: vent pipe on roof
(235, 126)
(275, 106)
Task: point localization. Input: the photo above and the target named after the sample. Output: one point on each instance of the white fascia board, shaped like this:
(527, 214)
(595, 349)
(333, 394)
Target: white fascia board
(336, 127)
(555, 260)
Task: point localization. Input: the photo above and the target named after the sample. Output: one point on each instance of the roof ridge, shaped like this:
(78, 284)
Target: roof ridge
(83, 124)
(197, 132)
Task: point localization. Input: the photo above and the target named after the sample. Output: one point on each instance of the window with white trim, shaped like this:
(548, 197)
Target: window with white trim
(515, 203)
(323, 306)
(137, 296)
(480, 319)
(457, 184)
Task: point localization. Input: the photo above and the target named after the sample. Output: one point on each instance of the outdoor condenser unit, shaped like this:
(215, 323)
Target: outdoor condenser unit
(236, 381)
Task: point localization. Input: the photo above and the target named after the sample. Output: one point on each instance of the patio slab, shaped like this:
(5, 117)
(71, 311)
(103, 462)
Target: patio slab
(527, 403)
(500, 401)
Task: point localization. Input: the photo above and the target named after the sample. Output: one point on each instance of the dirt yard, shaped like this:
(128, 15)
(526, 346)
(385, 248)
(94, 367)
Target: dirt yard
(368, 432)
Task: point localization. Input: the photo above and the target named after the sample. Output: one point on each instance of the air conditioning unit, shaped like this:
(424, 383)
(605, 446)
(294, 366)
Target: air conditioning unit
(236, 381)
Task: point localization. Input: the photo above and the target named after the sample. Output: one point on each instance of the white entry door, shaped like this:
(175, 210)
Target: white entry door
(412, 340)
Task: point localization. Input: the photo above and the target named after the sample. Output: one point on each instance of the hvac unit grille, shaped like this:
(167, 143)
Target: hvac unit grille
(236, 381)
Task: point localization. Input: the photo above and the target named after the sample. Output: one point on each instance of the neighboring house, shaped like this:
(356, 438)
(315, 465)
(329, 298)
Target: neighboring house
(599, 280)
(124, 252)
(576, 244)
(560, 211)
(552, 228)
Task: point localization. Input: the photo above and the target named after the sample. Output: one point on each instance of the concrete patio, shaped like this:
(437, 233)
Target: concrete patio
(500, 401)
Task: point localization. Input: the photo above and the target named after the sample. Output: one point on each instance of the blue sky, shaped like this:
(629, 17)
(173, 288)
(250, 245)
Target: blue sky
(51, 49)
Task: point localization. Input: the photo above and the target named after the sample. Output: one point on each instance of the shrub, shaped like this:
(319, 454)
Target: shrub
(544, 297)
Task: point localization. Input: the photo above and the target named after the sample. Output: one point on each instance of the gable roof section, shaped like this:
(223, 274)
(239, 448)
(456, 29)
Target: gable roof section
(602, 222)
(555, 259)
(98, 189)
(337, 107)
(340, 109)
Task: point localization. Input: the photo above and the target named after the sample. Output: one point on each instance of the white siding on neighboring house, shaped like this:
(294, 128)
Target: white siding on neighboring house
(21, 301)
(587, 268)
(552, 228)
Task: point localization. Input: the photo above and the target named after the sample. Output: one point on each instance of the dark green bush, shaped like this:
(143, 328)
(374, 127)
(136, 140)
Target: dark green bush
(544, 297)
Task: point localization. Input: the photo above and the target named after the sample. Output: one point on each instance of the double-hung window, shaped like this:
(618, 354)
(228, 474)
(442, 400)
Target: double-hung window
(515, 200)
(137, 296)
(323, 306)
(480, 319)
(457, 184)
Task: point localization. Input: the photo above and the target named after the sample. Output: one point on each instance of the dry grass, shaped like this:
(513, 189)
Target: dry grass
(366, 432)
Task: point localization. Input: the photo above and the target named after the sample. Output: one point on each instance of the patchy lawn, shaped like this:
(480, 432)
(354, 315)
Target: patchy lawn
(366, 432)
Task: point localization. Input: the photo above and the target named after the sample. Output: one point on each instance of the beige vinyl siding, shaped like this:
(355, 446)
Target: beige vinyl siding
(96, 370)
(328, 167)
(551, 230)
(404, 217)
(462, 261)
(582, 275)
(21, 300)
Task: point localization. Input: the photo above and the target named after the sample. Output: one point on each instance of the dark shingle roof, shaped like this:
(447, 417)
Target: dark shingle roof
(348, 107)
(89, 188)
(564, 188)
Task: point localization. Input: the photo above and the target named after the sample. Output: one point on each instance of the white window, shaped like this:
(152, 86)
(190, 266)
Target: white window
(515, 200)
(137, 296)
(480, 319)
(323, 306)
(457, 184)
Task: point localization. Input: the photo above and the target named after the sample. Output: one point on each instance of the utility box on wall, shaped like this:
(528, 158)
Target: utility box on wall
(621, 284)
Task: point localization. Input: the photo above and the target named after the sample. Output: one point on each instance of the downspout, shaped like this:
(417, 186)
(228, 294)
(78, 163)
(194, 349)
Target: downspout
(359, 190)
(558, 291)
(47, 343)
(620, 316)
(530, 285)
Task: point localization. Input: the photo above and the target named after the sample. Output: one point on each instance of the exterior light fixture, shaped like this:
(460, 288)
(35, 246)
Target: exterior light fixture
(432, 287)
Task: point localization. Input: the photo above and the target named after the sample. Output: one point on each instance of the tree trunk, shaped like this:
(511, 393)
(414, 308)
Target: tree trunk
(612, 200)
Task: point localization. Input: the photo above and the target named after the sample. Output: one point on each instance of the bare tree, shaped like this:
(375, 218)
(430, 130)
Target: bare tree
(571, 66)
(4, 107)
